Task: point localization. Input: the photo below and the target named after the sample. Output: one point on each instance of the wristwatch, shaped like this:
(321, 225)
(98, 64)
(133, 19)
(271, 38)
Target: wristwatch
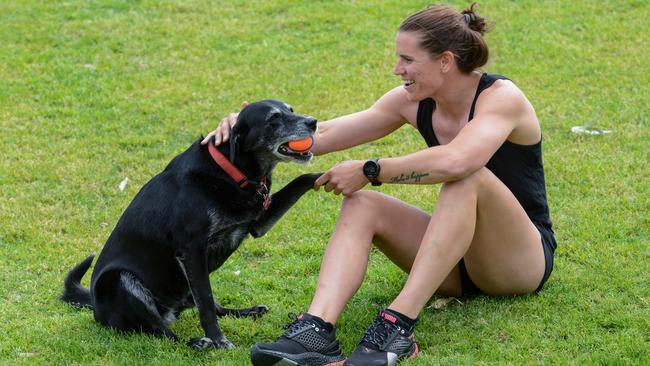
(371, 169)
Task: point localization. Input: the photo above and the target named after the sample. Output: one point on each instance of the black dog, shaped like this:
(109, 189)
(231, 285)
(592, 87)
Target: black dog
(186, 221)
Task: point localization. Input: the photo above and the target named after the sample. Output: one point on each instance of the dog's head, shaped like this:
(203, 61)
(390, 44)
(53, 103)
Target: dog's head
(264, 128)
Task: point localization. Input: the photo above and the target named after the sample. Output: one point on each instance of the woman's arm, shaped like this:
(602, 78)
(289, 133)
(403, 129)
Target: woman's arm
(382, 118)
(503, 113)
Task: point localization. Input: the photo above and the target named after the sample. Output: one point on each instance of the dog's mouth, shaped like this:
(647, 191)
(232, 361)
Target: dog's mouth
(297, 149)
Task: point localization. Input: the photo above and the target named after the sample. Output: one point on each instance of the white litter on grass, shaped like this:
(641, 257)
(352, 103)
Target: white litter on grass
(90, 66)
(236, 272)
(442, 302)
(589, 130)
(123, 183)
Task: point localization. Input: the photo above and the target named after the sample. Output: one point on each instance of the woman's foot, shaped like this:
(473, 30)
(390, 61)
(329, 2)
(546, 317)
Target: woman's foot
(388, 340)
(308, 341)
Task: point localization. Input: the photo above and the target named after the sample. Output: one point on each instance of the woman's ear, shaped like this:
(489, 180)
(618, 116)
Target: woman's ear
(446, 61)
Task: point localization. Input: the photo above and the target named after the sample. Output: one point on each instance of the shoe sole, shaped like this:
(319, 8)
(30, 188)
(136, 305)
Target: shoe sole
(271, 358)
(415, 352)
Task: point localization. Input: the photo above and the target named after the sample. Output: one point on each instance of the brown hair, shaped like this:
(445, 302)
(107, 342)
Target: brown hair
(444, 29)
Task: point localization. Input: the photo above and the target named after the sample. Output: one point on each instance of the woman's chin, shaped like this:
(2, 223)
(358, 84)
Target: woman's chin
(413, 94)
(413, 97)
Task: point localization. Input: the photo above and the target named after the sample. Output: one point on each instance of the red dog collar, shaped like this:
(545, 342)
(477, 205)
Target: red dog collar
(239, 177)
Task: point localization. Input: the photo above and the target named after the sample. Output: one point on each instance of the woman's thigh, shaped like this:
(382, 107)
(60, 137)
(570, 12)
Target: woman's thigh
(399, 229)
(506, 256)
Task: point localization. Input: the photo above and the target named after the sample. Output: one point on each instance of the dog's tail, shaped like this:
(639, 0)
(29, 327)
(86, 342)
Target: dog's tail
(73, 293)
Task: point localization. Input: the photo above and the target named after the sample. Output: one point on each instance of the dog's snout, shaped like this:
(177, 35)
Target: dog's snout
(311, 122)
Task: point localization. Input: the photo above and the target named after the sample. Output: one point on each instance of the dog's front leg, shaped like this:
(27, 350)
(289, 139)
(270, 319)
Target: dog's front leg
(196, 268)
(282, 201)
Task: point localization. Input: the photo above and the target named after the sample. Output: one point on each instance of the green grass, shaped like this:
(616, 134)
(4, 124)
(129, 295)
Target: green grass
(95, 91)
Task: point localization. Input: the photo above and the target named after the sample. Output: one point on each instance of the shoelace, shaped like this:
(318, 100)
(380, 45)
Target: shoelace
(378, 333)
(296, 324)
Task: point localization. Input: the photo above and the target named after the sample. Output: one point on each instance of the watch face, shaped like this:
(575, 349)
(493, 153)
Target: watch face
(370, 169)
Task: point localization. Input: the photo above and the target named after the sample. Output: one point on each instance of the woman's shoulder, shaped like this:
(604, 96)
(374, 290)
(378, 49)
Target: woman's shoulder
(396, 101)
(504, 100)
(396, 96)
(503, 95)
(503, 87)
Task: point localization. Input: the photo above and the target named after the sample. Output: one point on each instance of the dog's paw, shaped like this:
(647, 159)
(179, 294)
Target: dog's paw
(224, 343)
(200, 343)
(205, 342)
(310, 178)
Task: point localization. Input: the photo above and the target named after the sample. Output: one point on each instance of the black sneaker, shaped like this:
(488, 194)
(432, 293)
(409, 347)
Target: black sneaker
(387, 341)
(308, 341)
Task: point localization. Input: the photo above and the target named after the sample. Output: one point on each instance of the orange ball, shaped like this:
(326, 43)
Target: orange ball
(301, 145)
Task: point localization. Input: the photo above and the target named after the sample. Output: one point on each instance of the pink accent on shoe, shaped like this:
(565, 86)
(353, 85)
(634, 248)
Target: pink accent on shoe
(389, 317)
(337, 363)
(415, 353)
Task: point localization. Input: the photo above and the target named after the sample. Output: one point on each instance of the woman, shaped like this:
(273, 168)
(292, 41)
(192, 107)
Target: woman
(490, 231)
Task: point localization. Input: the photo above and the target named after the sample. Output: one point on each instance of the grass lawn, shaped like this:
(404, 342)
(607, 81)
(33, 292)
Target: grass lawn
(92, 92)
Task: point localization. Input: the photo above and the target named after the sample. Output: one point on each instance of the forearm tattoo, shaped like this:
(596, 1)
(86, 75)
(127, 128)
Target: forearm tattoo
(413, 177)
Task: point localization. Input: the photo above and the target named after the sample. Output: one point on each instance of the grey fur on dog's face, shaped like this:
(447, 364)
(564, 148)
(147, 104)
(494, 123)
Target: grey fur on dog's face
(267, 126)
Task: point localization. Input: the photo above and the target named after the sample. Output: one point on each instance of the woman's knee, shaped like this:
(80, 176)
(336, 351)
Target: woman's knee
(466, 186)
(360, 200)
(369, 211)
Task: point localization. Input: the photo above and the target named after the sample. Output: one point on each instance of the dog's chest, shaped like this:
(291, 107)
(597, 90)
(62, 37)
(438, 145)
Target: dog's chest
(228, 238)
(222, 242)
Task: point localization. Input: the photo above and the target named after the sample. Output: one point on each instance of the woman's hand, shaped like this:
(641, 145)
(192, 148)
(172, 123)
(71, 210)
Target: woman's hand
(222, 132)
(346, 177)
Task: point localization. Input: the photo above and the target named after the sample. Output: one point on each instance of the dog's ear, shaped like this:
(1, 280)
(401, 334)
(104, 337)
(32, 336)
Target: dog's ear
(233, 147)
(237, 136)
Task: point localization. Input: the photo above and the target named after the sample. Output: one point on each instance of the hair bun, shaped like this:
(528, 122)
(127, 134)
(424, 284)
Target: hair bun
(474, 21)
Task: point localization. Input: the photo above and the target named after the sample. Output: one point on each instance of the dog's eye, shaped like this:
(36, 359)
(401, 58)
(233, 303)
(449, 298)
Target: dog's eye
(290, 108)
(275, 115)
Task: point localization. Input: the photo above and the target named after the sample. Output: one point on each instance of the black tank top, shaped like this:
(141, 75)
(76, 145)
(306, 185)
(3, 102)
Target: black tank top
(519, 167)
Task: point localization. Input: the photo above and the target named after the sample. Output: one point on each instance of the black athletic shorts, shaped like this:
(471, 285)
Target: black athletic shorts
(548, 244)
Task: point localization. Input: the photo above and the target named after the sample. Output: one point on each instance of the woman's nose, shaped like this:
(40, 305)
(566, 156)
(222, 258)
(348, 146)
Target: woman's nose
(398, 70)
